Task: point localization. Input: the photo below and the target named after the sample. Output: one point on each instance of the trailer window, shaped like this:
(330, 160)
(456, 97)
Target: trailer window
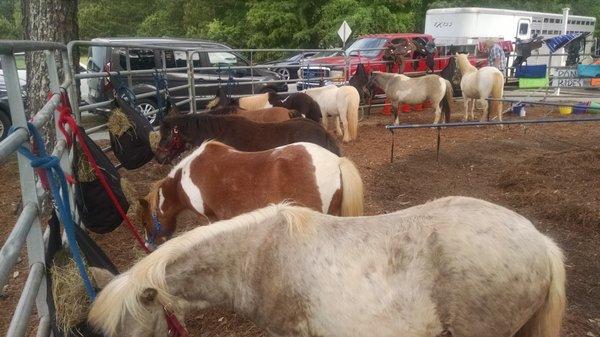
(523, 27)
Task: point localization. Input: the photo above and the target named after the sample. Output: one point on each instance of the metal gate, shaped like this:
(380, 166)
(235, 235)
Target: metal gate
(27, 229)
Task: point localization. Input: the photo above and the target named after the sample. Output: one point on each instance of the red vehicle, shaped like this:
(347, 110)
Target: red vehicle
(368, 50)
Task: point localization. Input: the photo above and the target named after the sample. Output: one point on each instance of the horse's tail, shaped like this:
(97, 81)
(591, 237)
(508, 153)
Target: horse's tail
(446, 101)
(497, 93)
(352, 112)
(352, 189)
(547, 320)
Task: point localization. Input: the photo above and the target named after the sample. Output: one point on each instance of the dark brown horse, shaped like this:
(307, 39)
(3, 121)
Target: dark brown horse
(179, 132)
(298, 101)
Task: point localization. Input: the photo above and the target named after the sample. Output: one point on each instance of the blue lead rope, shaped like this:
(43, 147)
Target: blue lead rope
(160, 83)
(60, 194)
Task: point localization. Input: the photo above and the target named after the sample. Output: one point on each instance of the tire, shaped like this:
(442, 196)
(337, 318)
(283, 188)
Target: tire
(284, 73)
(146, 105)
(5, 124)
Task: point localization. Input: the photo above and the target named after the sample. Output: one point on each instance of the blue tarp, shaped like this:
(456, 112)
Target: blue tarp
(555, 43)
(535, 71)
(588, 70)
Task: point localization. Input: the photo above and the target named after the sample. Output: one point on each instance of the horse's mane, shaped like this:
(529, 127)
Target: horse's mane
(192, 123)
(122, 295)
(222, 110)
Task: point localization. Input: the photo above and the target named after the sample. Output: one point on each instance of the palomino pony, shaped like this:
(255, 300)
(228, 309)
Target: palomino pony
(415, 90)
(179, 132)
(298, 101)
(219, 182)
(341, 103)
(480, 84)
(455, 266)
(267, 115)
(253, 102)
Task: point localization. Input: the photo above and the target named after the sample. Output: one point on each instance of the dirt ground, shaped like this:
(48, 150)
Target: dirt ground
(548, 173)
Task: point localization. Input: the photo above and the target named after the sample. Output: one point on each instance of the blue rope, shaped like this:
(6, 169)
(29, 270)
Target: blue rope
(60, 194)
(123, 90)
(160, 83)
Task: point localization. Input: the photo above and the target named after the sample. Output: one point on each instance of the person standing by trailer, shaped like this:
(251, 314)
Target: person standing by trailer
(496, 57)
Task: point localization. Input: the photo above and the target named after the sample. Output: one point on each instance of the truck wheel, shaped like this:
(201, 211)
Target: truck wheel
(284, 72)
(146, 105)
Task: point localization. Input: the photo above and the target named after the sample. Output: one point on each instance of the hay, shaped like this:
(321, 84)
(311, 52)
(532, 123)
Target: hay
(118, 123)
(85, 172)
(129, 190)
(154, 138)
(70, 298)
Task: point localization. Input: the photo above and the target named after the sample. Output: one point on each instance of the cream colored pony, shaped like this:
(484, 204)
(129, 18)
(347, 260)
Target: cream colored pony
(341, 103)
(401, 89)
(455, 266)
(480, 84)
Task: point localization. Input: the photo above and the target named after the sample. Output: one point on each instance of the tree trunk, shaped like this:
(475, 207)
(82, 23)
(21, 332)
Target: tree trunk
(46, 20)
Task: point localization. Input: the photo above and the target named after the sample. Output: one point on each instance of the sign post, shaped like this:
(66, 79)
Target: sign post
(344, 32)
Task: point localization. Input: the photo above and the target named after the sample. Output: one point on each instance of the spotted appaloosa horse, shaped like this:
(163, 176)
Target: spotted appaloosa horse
(452, 267)
(220, 182)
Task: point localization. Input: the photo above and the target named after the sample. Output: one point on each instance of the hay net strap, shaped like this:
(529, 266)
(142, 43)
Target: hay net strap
(65, 117)
(160, 83)
(60, 195)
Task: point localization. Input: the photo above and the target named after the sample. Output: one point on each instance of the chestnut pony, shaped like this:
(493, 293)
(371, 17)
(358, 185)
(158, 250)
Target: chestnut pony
(219, 182)
(179, 132)
(267, 115)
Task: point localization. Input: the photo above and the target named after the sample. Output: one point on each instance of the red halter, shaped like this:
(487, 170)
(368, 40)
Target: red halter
(176, 144)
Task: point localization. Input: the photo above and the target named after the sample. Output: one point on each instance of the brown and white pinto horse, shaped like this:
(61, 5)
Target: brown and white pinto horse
(220, 182)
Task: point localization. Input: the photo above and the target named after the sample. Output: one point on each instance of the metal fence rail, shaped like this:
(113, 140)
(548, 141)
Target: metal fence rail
(27, 231)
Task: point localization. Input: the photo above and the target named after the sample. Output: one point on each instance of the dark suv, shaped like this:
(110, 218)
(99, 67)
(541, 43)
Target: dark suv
(100, 58)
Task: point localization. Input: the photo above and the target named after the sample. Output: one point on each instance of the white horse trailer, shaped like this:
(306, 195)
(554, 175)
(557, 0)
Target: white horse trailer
(464, 27)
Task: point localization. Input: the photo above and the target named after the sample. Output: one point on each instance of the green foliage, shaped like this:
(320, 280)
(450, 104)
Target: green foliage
(10, 19)
(268, 23)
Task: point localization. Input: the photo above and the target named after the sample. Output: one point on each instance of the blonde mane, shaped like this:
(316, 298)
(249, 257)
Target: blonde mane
(122, 295)
(463, 63)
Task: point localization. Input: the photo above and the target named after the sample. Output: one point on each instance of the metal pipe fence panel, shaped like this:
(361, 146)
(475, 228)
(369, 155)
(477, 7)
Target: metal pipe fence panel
(27, 231)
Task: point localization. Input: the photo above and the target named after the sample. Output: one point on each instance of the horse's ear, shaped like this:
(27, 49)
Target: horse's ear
(101, 276)
(148, 296)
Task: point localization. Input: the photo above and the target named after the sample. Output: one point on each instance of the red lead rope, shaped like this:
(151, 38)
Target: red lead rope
(176, 329)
